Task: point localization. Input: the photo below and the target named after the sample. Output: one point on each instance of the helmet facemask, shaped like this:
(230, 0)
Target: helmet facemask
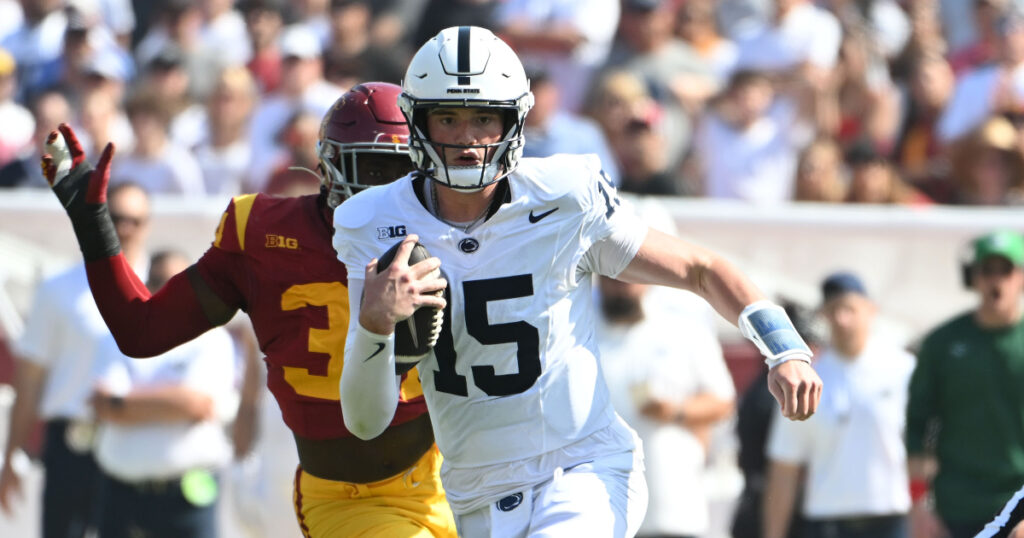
(363, 141)
(466, 67)
(347, 168)
(500, 158)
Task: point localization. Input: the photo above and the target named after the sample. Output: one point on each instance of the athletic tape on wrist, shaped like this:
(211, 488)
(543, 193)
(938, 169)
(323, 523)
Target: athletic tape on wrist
(768, 326)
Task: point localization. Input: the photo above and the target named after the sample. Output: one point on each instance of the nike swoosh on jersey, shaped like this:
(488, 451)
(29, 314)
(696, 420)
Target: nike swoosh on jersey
(536, 218)
(380, 347)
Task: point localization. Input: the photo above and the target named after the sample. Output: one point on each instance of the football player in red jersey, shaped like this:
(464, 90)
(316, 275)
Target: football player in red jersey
(272, 258)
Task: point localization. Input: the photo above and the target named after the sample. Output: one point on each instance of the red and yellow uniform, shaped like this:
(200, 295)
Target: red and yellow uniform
(272, 258)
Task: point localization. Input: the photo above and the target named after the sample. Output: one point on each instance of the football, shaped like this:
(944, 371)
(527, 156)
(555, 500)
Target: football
(417, 334)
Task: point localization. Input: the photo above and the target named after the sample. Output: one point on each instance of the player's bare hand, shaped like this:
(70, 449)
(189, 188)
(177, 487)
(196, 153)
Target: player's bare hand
(10, 486)
(400, 289)
(797, 388)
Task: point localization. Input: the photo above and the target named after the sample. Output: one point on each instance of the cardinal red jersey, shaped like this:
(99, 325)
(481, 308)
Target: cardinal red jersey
(272, 257)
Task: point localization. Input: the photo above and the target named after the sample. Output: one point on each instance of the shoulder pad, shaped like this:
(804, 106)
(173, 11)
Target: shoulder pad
(358, 210)
(230, 233)
(562, 174)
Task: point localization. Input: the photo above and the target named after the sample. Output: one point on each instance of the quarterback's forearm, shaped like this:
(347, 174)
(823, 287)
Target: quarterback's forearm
(669, 261)
(145, 325)
(369, 386)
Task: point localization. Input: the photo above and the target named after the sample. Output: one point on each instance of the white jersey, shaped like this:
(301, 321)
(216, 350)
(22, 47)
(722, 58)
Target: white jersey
(514, 374)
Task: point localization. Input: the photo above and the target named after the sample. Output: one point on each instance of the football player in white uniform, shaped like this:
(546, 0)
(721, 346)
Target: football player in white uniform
(518, 403)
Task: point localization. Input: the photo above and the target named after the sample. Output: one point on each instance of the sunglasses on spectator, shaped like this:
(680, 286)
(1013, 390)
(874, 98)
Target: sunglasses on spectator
(118, 219)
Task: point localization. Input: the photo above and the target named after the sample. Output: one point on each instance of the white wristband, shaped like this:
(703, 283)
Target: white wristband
(768, 326)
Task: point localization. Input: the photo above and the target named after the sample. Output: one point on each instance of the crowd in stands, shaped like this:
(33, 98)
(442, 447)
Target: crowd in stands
(767, 101)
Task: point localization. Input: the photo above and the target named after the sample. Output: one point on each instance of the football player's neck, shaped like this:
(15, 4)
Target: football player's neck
(460, 206)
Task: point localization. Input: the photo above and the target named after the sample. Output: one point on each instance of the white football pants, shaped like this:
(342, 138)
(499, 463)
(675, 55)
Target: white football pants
(606, 497)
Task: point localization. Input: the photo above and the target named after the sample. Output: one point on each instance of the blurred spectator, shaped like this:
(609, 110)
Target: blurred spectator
(671, 394)
(800, 37)
(160, 441)
(874, 180)
(294, 175)
(303, 89)
(11, 17)
(57, 359)
(989, 89)
(180, 23)
(314, 15)
(645, 166)
(440, 14)
(869, 104)
(352, 45)
(17, 121)
(749, 142)
(964, 412)
(224, 154)
(677, 77)
(85, 39)
(613, 100)
(168, 80)
(926, 37)
(696, 25)
(224, 31)
(988, 168)
(552, 129)
(37, 46)
(157, 163)
(263, 21)
(984, 49)
(393, 23)
(49, 110)
(568, 38)
(102, 120)
(917, 152)
(106, 70)
(884, 22)
(819, 173)
(849, 457)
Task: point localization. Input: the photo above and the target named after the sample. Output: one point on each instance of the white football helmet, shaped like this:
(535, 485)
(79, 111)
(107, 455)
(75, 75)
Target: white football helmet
(466, 66)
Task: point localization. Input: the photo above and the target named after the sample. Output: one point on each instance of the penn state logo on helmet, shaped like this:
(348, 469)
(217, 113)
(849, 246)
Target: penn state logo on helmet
(466, 66)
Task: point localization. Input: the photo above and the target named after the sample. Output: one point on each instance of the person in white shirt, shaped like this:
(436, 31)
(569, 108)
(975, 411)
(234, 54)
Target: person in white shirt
(799, 35)
(989, 89)
(57, 357)
(749, 143)
(157, 163)
(671, 395)
(302, 89)
(517, 400)
(850, 455)
(161, 439)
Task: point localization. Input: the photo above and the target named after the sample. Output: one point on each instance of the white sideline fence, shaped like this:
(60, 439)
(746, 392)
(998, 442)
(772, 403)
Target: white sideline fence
(907, 256)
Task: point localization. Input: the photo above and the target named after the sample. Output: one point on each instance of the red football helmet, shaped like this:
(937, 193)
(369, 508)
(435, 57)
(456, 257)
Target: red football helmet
(364, 141)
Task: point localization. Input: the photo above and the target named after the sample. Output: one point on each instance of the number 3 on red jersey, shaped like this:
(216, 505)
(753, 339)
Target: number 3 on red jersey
(329, 341)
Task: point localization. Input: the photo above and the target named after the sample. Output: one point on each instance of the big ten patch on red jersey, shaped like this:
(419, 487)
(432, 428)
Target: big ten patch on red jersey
(286, 276)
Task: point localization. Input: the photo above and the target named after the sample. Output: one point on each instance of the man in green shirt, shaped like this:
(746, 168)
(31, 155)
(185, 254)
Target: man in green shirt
(969, 382)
